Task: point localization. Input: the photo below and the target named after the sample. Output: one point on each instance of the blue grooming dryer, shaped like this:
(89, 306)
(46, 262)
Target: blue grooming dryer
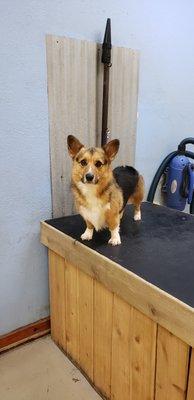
(174, 198)
(179, 182)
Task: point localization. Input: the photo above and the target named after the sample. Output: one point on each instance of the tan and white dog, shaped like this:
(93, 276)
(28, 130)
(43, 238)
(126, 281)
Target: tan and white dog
(101, 193)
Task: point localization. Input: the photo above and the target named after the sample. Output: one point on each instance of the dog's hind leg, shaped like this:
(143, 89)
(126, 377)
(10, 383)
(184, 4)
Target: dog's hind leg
(137, 212)
(137, 198)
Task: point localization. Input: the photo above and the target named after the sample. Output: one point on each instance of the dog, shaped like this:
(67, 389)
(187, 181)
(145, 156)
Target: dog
(101, 193)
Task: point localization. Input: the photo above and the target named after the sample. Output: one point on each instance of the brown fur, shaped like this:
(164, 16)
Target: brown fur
(138, 195)
(100, 202)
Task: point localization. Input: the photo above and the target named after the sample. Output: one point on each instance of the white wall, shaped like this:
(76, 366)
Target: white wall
(163, 31)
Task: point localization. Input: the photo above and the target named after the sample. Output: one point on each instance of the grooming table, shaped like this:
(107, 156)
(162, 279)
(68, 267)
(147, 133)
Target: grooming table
(125, 314)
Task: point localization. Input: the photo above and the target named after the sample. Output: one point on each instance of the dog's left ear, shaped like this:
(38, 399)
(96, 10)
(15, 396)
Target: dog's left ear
(111, 149)
(74, 145)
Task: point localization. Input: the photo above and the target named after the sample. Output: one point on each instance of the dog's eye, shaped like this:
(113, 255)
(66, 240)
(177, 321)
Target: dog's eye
(83, 163)
(98, 164)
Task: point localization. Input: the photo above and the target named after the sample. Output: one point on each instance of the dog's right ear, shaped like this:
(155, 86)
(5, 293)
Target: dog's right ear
(74, 145)
(111, 149)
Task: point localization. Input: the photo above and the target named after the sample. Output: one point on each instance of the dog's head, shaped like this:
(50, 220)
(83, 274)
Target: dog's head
(91, 165)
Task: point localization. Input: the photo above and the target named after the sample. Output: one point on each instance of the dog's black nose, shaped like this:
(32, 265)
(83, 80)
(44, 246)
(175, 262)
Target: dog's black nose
(89, 177)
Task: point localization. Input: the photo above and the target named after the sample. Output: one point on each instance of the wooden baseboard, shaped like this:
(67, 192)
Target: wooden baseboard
(25, 334)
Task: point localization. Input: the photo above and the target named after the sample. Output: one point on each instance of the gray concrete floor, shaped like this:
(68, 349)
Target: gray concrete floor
(40, 371)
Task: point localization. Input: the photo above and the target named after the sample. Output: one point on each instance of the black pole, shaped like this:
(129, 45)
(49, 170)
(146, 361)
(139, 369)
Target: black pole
(106, 60)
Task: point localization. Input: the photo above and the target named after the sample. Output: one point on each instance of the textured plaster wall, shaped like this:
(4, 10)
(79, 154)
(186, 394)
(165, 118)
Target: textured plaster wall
(163, 31)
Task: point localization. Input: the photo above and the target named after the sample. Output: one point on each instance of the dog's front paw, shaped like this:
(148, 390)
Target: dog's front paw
(137, 216)
(115, 240)
(87, 235)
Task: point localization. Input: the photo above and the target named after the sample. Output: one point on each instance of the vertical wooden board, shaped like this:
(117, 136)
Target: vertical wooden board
(72, 316)
(123, 102)
(103, 311)
(190, 392)
(85, 301)
(143, 356)
(121, 354)
(172, 367)
(57, 272)
(55, 77)
(71, 66)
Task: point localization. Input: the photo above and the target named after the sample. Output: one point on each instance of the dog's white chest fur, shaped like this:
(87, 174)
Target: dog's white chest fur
(95, 210)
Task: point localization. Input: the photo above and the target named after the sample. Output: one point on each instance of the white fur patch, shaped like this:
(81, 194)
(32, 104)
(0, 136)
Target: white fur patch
(115, 237)
(87, 235)
(95, 210)
(137, 216)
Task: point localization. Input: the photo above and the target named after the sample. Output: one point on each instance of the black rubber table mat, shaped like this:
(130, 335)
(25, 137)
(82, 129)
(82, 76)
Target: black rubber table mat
(159, 249)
